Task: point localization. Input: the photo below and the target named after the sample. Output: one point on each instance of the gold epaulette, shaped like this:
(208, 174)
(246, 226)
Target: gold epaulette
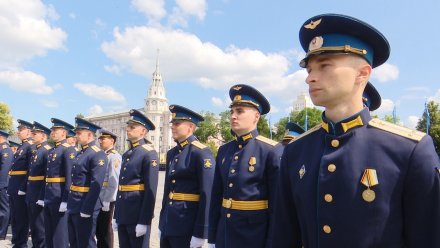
(198, 144)
(66, 145)
(266, 140)
(311, 130)
(47, 147)
(147, 147)
(96, 149)
(396, 129)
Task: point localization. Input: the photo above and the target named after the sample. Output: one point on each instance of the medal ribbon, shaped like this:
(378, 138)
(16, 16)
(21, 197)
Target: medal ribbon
(369, 178)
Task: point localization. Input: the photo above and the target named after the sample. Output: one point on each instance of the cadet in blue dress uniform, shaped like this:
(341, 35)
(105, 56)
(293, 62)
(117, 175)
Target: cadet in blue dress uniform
(189, 175)
(17, 186)
(293, 130)
(104, 230)
(13, 145)
(137, 185)
(58, 180)
(88, 175)
(354, 181)
(245, 176)
(71, 139)
(35, 184)
(6, 157)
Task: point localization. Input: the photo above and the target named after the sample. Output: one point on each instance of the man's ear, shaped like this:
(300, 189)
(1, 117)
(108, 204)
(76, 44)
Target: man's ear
(363, 73)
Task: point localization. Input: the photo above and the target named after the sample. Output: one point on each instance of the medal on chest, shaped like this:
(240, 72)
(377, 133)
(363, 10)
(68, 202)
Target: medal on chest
(369, 179)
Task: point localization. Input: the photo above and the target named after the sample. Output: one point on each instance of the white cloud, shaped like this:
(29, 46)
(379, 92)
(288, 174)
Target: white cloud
(114, 69)
(386, 107)
(217, 102)
(436, 97)
(386, 72)
(274, 109)
(26, 31)
(153, 9)
(26, 81)
(412, 121)
(193, 7)
(50, 103)
(185, 58)
(95, 110)
(103, 92)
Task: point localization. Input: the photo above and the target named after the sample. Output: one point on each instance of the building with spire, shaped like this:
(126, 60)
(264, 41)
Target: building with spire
(156, 109)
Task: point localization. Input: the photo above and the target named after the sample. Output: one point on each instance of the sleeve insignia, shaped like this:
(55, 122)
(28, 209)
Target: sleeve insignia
(154, 162)
(266, 140)
(66, 145)
(147, 147)
(47, 147)
(71, 156)
(198, 144)
(208, 163)
(396, 129)
(5, 155)
(117, 163)
(95, 148)
(101, 162)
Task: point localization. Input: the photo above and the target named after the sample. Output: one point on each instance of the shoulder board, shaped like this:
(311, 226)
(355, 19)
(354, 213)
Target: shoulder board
(266, 140)
(396, 129)
(47, 147)
(311, 130)
(198, 144)
(147, 147)
(114, 151)
(66, 145)
(96, 149)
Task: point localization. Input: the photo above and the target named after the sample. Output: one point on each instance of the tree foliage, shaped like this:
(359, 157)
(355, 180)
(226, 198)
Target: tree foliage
(434, 120)
(390, 119)
(5, 117)
(225, 126)
(207, 129)
(263, 126)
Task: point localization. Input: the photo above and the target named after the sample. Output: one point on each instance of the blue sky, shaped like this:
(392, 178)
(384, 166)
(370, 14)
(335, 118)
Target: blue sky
(61, 58)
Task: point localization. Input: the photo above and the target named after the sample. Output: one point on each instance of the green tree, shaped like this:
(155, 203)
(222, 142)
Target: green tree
(5, 117)
(314, 117)
(263, 126)
(281, 129)
(214, 149)
(80, 115)
(434, 120)
(207, 128)
(225, 126)
(390, 118)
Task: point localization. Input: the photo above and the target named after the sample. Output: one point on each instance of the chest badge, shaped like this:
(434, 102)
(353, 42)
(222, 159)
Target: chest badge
(5, 155)
(101, 162)
(21, 151)
(369, 179)
(72, 156)
(252, 163)
(302, 171)
(154, 162)
(208, 163)
(35, 158)
(54, 157)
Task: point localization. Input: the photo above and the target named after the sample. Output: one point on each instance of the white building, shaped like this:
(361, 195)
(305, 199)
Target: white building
(302, 101)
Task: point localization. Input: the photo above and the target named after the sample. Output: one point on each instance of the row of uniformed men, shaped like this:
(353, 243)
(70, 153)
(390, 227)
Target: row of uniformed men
(352, 181)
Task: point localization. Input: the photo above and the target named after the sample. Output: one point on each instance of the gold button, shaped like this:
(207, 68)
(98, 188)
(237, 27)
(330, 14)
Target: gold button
(240, 146)
(128, 159)
(228, 215)
(120, 196)
(236, 158)
(335, 143)
(328, 198)
(230, 185)
(232, 171)
(122, 177)
(327, 229)
(331, 167)
(174, 181)
(176, 159)
(171, 203)
(125, 168)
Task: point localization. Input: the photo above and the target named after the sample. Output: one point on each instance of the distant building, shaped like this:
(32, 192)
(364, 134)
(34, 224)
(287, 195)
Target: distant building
(302, 101)
(156, 109)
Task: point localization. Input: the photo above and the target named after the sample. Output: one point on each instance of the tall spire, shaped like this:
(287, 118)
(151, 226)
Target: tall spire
(157, 61)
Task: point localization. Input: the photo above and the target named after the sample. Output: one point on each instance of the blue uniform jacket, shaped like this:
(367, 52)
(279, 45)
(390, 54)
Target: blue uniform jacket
(60, 162)
(22, 158)
(190, 170)
(321, 201)
(89, 172)
(235, 179)
(37, 168)
(5, 164)
(139, 166)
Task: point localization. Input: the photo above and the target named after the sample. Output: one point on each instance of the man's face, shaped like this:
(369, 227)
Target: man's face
(244, 119)
(71, 140)
(332, 79)
(38, 137)
(23, 133)
(106, 143)
(83, 136)
(135, 131)
(58, 134)
(181, 130)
